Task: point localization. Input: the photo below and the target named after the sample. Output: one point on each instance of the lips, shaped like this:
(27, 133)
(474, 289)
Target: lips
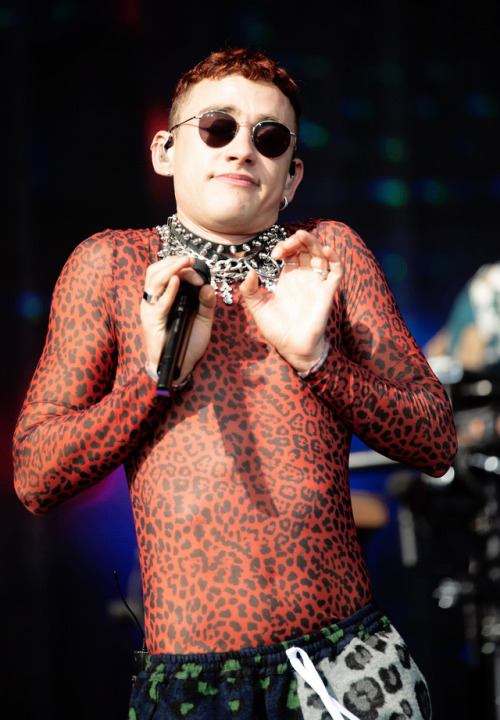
(237, 179)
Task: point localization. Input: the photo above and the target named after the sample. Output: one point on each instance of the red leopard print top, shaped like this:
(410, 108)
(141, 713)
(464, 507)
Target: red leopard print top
(239, 484)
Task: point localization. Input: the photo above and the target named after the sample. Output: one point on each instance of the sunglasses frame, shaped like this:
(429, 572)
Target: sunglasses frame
(237, 126)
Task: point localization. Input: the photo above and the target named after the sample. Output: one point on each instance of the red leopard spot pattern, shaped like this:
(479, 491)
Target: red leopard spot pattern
(239, 484)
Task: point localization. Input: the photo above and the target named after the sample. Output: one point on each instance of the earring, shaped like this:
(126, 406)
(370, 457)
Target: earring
(284, 203)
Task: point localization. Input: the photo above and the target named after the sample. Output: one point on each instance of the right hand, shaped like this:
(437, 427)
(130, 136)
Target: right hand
(163, 279)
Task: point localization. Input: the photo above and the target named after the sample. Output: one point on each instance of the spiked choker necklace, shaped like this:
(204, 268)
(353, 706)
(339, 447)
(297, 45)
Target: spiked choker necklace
(225, 268)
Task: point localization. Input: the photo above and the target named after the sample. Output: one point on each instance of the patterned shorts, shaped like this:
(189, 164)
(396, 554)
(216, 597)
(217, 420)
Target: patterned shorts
(362, 664)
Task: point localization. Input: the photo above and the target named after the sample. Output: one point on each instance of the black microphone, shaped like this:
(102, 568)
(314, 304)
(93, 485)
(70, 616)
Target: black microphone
(179, 324)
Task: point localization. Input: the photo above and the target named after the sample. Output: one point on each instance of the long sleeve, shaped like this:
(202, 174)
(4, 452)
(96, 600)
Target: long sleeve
(78, 423)
(375, 378)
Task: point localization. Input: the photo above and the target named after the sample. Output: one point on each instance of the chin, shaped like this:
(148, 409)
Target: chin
(243, 219)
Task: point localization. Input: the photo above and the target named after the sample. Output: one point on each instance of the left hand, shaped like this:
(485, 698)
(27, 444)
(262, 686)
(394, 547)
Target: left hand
(294, 316)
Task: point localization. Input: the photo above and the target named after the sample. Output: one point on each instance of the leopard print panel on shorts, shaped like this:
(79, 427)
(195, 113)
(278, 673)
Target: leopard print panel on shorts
(362, 660)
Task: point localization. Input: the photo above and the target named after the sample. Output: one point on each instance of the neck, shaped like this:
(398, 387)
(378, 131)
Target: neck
(221, 237)
(228, 263)
(216, 248)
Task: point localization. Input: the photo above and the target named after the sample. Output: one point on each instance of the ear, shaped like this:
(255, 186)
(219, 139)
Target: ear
(162, 153)
(293, 181)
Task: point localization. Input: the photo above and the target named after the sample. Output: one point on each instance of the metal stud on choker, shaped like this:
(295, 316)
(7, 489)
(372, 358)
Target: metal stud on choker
(224, 269)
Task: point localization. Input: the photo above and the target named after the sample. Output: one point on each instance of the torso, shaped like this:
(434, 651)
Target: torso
(241, 498)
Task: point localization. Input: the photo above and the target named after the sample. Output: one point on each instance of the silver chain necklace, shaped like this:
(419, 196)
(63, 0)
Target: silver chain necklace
(225, 271)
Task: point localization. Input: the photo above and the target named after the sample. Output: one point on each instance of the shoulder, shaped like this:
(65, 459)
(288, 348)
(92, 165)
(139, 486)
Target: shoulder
(99, 250)
(113, 240)
(341, 236)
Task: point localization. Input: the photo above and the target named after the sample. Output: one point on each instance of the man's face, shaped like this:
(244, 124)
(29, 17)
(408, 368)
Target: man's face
(233, 190)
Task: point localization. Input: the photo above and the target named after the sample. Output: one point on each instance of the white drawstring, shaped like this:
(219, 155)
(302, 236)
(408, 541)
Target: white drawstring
(308, 672)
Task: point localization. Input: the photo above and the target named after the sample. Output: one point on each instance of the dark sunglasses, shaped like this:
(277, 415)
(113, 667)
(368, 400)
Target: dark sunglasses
(218, 128)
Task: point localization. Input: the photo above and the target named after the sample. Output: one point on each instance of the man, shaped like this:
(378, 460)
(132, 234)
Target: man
(471, 334)
(239, 476)
(465, 352)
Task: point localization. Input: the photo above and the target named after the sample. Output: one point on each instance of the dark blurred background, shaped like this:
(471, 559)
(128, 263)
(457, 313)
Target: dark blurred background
(400, 141)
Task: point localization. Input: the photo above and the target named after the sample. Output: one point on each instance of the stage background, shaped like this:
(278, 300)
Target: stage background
(400, 141)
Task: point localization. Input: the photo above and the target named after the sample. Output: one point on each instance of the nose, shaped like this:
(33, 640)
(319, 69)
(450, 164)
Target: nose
(242, 146)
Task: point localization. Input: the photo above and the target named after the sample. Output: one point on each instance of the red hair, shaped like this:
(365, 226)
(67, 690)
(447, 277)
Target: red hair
(251, 64)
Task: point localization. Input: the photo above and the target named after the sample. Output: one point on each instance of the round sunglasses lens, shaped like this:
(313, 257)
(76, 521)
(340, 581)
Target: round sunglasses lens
(217, 129)
(271, 139)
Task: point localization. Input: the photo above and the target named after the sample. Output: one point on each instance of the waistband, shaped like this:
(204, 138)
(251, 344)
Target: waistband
(328, 641)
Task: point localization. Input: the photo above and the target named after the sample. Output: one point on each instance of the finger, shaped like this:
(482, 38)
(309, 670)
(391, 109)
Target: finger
(250, 285)
(329, 267)
(320, 272)
(163, 294)
(289, 267)
(253, 295)
(290, 262)
(336, 270)
(300, 242)
(165, 274)
(207, 300)
(309, 255)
